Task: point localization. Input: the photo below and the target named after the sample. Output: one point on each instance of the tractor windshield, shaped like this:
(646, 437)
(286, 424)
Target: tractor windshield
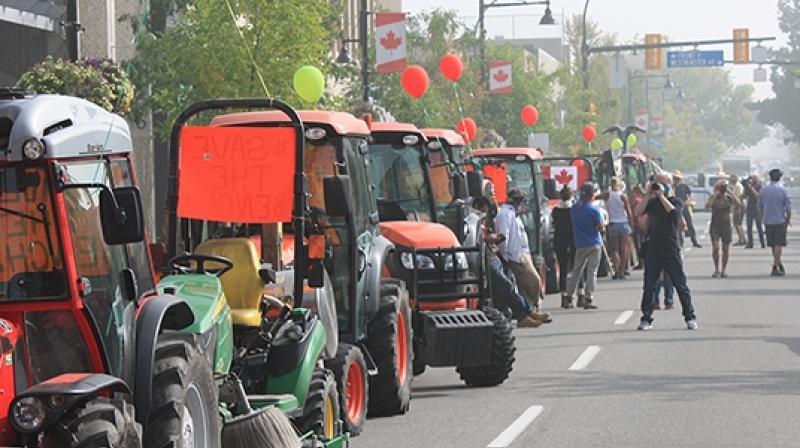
(398, 177)
(31, 262)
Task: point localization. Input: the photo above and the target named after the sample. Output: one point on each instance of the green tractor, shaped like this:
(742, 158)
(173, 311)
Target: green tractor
(95, 354)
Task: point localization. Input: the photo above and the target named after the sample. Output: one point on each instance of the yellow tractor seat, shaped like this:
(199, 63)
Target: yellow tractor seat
(242, 285)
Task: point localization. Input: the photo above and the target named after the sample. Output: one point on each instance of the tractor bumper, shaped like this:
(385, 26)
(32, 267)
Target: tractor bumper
(454, 338)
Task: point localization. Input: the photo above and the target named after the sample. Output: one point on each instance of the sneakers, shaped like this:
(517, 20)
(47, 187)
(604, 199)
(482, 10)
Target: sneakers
(723, 274)
(581, 301)
(781, 269)
(715, 275)
(528, 322)
(691, 324)
(589, 305)
(645, 325)
(566, 302)
(777, 271)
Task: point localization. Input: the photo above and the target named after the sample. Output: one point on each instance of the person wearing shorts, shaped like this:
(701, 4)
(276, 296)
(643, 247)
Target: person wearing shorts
(737, 189)
(721, 204)
(775, 207)
(619, 227)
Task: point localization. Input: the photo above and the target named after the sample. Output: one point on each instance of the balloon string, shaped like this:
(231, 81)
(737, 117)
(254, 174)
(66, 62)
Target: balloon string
(247, 49)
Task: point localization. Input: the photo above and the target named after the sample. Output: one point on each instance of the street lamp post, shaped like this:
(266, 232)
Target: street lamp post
(585, 48)
(363, 42)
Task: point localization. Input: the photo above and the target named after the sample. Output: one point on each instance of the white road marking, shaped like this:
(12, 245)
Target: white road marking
(513, 431)
(623, 317)
(586, 357)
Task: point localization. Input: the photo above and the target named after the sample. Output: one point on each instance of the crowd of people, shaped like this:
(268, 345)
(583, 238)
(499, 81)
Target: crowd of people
(646, 229)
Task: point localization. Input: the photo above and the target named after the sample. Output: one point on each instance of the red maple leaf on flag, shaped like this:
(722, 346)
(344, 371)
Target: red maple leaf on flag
(500, 76)
(563, 177)
(391, 41)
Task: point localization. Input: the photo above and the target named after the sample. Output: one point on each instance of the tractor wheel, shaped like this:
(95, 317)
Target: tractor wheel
(99, 423)
(350, 371)
(321, 409)
(183, 408)
(502, 355)
(390, 343)
(551, 273)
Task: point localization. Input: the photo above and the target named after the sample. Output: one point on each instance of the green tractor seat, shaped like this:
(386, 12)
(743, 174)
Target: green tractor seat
(243, 285)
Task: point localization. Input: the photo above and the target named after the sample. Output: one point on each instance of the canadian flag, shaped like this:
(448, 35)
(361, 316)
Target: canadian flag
(642, 119)
(390, 35)
(565, 176)
(499, 77)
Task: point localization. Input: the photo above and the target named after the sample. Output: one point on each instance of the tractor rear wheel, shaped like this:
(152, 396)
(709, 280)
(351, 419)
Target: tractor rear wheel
(321, 409)
(99, 423)
(390, 344)
(503, 350)
(183, 408)
(350, 371)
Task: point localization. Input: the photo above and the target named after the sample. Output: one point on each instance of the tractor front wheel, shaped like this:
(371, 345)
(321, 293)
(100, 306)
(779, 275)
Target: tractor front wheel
(99, 423)
(183, 410)
(390, 343)
(321, 409)
(503, 350)
(350, 370)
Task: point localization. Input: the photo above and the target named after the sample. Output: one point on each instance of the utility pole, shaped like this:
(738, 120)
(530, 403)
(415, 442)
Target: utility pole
(72, 28)
(585, 49)
(364, 41)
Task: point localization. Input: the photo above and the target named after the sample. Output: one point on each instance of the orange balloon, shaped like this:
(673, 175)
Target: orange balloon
(415, 81)
(468, 128)
(451, 67)
(529, 115)
(589, 133)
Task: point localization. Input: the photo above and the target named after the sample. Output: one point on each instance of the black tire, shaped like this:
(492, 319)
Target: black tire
(503, 350)
(348, 356)
(321, 409)
(390, 389)
(182, 376)
(99, 423)
(551, 272)
(419, 363)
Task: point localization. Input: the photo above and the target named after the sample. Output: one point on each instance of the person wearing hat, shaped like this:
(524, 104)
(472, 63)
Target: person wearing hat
(684, 193)
(775, 207)
(587, 223)
(515, 250)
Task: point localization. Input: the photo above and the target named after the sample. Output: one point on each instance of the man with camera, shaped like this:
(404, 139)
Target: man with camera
(752, 187)
(661, 217)
(775, 207)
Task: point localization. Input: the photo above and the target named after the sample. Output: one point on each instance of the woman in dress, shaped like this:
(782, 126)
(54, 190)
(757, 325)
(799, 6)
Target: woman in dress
(721, 204)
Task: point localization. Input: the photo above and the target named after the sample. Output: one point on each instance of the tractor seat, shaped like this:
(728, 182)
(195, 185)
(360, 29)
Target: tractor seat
(242, 285)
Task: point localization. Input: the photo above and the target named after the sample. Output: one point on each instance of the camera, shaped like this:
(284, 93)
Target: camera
(655, 186)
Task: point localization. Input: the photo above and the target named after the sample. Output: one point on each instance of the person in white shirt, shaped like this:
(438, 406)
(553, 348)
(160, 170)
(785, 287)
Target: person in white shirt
(515, 252)
(737, 189)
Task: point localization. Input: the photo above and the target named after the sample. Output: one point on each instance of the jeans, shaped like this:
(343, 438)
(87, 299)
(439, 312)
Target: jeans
(753, 216)
(504, 293)
(671, 263)
(585, 258)
(669, 290)
(565, 253)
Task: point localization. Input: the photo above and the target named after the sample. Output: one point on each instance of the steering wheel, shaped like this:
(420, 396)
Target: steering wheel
(180, 262)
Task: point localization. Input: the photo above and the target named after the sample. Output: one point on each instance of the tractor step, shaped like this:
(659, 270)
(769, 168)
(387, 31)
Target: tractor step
(456, 338)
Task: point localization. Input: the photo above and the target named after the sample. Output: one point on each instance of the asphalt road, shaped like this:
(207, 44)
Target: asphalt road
(733, 383)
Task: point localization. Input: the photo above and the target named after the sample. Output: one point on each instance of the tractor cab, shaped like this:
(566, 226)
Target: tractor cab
(637, 170)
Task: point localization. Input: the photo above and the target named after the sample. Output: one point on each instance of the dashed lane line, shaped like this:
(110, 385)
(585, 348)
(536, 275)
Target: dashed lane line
(586, 357)
(623, 317)
(516, 428)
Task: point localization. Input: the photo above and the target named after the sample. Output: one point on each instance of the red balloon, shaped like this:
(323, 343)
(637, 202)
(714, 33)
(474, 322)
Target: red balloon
(529, 115)
(468, 128)
(415, 81)
(589, 133)
(451, 67)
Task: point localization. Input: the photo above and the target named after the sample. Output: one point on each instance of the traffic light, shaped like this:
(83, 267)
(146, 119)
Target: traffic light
(652, 56)
(741, 46)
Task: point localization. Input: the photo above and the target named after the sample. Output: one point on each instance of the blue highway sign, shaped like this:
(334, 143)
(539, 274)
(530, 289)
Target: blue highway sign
(695, 58)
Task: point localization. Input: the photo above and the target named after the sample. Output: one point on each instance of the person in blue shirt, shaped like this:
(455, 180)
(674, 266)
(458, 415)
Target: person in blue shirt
(775, 208)
(587, 223)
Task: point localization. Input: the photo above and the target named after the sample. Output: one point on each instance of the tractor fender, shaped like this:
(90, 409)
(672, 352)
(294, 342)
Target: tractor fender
(381, 248)
(162, 312)
(75, 388)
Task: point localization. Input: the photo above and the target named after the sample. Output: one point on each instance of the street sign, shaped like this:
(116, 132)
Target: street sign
(652, 56)
(741, 46)
(617, 72)
(695, 58)
(760, 75)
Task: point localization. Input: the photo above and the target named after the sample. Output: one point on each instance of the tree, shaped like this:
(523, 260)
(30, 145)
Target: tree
(204, 56)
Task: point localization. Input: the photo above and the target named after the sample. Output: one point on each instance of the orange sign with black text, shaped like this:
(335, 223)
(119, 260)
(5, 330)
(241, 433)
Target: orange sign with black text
(236, 174)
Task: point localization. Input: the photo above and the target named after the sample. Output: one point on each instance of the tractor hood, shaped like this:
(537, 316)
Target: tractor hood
(419, 235)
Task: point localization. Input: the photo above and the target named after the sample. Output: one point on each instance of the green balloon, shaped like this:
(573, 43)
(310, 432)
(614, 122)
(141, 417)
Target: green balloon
(632, 141)
(309, 83)
(616, 144)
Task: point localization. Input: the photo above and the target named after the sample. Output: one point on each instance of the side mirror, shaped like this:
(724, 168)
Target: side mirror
(337, 191)
(121, 215)
(460, 187)
(127, 284)
(475, 183)
(550, 191)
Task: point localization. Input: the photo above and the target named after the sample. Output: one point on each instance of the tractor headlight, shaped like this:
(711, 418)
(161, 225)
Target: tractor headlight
(28, 414)
(33, 149)
(461, 262)
(423, 262)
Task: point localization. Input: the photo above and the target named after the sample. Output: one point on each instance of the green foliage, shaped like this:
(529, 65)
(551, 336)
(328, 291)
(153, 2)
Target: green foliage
(203, 55)
(100, 81)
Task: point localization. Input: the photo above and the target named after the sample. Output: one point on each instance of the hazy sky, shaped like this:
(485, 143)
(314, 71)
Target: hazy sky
(679, 19)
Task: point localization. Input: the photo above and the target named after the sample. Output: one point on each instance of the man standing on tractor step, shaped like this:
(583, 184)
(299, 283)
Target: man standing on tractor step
(776, 211)
(515, 250)
(587, 223)
(661, 217)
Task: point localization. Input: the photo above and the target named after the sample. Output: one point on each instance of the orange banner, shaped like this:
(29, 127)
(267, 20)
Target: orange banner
(499, 176)
(236, 174)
